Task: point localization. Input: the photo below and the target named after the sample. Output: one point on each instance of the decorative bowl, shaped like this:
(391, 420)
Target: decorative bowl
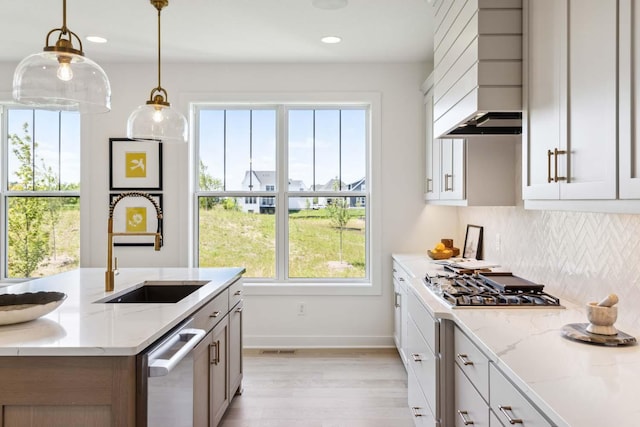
(18, 308)
(446, 254)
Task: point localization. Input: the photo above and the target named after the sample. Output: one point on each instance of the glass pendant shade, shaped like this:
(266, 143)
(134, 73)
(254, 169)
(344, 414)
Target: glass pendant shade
(155, 122)
(62, 81)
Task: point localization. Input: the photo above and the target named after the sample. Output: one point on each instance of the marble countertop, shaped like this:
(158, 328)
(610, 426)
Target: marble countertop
(83, 327)
(573, 383)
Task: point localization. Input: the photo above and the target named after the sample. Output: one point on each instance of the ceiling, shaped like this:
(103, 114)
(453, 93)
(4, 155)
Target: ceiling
(208, 31)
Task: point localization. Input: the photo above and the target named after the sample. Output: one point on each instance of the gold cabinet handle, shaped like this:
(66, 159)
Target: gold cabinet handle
(557, 178)
(464, 359)
(215, 314)
(504, 410)
(238, 293)
(465, 417)
(417, 357)
(416, 411)
(239, 310)
(549, 154)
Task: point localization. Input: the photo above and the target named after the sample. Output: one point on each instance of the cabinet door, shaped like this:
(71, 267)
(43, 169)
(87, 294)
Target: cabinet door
(629, 132)
(470, 408)
(201, 396)
(592, 96)
(235, 349)
(432, 153)
(219, 381)
(397, 315)
(545, 100)
(452, 169)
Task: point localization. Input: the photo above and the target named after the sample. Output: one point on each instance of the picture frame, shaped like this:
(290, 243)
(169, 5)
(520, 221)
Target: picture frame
(135, 165)
(135, 214)
(473, 242)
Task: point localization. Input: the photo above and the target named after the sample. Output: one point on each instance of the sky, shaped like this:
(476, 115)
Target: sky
(337, 154)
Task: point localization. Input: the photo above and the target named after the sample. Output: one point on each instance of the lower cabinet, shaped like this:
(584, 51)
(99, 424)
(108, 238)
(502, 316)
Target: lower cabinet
(422, 363)
(400, 283)
(219, 371)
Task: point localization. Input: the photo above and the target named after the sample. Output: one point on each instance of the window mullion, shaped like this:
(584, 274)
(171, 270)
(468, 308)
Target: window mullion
(282, 173)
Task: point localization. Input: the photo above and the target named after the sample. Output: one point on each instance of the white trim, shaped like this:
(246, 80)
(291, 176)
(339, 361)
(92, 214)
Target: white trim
(373, 284)
(306, 341)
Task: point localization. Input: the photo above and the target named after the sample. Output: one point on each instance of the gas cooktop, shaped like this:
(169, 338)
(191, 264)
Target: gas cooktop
(489, 290)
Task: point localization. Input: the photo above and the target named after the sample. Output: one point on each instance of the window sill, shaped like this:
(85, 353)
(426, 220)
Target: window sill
(310, 288)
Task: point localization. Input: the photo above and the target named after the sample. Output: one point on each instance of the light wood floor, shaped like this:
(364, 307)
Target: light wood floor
(321, 388)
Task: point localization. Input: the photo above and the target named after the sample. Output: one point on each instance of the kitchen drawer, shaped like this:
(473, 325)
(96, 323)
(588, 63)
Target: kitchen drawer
(470, 408)
(472, 362)
(420, 410)
(423, 363)
(214, 311)
(235, 293)
(509, 405)
(427, 325)
(400, 275)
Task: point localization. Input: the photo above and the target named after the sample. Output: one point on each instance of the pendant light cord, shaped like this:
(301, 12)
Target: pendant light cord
(159, 61)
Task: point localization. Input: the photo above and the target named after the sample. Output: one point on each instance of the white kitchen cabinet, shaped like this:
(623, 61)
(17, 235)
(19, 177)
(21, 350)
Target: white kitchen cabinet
(400, 282)
(509, 405)
(629, 110)
(470, 408)
(570, 121)
(477, 171)
(423, 363)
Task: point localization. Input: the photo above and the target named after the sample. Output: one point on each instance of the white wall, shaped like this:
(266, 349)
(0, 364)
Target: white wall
(407, 225)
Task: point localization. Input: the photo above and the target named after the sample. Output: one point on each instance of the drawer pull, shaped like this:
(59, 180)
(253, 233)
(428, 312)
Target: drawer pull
(464, 359)
(238, 293)
(215, 349)
(239, 310)
(397, 300)
(504, 410)
(465, 417)
(416, 411)
(215, 314)
(417, 357)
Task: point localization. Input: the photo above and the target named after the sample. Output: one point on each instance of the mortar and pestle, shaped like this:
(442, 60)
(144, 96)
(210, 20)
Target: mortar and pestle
(603, 315)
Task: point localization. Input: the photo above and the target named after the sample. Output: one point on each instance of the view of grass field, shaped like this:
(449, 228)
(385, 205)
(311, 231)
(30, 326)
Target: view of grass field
(230, 237)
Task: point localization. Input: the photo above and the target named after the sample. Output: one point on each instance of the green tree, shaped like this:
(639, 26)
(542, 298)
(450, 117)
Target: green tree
(208, 183)
(27, 234)
(338, 213)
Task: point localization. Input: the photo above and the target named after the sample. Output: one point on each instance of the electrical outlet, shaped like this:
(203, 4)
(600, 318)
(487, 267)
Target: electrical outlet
(498, 242)
(302, 309)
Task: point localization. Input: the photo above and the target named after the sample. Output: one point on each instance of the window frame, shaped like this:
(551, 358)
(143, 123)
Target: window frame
(6, 194)
(371, 284)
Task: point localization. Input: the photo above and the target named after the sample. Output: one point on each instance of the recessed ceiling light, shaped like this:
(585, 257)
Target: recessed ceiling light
(96, 39)
(329, 4)
(331, 39)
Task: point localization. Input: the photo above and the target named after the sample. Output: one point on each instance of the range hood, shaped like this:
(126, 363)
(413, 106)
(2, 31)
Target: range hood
(477, 68)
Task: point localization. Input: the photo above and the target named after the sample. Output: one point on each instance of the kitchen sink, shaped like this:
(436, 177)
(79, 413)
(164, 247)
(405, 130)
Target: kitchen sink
(157, 292)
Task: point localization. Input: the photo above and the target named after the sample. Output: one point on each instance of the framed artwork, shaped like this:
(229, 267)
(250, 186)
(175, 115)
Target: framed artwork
(473, 242)
(135, 215)
(134, 165)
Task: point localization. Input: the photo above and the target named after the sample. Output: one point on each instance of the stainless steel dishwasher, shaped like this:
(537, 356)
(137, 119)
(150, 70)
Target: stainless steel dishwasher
(165, 379)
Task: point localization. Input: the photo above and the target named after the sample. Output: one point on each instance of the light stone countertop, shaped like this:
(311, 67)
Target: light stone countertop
(83, 327)
(574, 383)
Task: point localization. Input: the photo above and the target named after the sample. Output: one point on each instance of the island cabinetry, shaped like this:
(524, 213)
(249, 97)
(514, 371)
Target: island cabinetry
(471, 382)
(400, 283)
(67, 391)
(423, 363)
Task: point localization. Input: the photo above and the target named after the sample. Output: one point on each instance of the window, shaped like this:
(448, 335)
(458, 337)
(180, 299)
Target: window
(307, 167)
(40, 192)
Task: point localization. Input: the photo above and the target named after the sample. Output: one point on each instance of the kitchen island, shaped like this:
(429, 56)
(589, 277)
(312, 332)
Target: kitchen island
(571, 383)
(77, 365)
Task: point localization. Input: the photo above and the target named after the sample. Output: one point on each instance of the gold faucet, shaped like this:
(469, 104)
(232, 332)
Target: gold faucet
(109, 275)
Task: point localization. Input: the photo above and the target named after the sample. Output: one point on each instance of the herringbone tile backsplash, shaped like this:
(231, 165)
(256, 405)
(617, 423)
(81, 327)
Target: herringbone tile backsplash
(579, 256)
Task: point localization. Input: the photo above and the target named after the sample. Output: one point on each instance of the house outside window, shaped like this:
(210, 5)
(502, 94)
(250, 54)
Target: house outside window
(40, 209)
(306, 169)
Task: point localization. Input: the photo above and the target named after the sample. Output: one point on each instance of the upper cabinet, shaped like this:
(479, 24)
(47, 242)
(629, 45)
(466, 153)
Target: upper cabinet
(570, 122)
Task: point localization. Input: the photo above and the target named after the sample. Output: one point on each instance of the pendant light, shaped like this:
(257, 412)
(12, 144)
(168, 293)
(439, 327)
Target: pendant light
(61, 77)
(156, 120)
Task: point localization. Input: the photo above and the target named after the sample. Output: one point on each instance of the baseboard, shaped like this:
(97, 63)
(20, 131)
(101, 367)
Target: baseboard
(282, 342)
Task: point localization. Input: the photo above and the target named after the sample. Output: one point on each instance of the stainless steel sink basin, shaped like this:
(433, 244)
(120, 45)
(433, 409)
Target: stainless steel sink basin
(157, 292)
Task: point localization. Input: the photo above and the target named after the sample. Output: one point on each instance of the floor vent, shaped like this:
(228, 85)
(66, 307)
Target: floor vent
(277, 352)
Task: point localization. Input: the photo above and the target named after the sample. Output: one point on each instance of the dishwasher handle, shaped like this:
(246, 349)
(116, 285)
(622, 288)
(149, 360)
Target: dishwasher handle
(159, 367)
